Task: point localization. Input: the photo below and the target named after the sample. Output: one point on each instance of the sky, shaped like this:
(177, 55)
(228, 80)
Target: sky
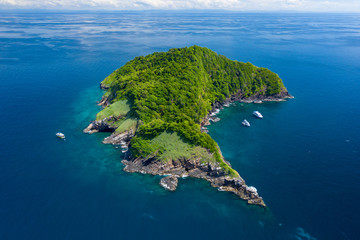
(238, 5)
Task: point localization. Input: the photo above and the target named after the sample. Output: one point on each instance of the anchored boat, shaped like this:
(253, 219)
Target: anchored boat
(257, 114)
(60, 135)
(245, 123)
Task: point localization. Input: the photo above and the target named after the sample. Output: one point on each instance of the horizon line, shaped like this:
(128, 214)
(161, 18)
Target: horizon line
(171, 10)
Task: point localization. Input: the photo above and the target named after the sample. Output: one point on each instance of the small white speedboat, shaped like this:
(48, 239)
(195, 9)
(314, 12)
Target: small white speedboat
(60, 135)
(245, 123)
(257, 114)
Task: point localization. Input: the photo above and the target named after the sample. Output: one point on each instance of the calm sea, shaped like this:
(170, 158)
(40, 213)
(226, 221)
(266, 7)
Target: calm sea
(303, 157)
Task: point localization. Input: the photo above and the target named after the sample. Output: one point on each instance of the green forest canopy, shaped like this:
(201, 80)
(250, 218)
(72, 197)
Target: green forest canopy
(173, 91)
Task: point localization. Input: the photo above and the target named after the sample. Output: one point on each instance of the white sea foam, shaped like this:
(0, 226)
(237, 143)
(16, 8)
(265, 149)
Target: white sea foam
(302, 235)
(251, 189)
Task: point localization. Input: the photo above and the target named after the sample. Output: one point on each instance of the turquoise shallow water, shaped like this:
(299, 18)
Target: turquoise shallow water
(303, 157)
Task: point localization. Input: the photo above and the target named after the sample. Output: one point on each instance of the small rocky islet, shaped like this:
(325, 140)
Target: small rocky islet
(157, 107)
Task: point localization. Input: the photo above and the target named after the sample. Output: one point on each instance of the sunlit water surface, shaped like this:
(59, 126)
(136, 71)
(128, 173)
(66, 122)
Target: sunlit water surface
(303, 157)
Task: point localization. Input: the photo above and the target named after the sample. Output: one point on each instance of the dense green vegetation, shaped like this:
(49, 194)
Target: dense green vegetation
(171, 92)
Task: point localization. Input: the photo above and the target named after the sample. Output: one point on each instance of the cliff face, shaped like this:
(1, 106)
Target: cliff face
(156, 106)
(194, 167)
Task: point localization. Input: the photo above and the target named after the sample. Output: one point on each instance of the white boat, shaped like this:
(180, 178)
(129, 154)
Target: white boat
(245, 123)
(257, 114)
(60, 135)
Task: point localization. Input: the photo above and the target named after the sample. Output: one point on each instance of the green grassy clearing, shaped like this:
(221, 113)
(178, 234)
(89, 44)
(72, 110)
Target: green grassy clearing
(172, 147)
(127, 124)
(119, 108)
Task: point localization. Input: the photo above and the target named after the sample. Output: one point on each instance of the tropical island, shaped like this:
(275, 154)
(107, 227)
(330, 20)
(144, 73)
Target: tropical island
(158, 106)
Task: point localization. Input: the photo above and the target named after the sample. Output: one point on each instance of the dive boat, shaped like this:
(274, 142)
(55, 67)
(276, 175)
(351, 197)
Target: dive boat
(60, 135)
(245, 123)
(257, 114)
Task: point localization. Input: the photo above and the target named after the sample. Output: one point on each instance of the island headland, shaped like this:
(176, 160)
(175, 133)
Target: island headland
(157, 107)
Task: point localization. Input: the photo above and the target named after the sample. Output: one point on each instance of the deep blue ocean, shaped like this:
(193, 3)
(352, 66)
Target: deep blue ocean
(303, 157)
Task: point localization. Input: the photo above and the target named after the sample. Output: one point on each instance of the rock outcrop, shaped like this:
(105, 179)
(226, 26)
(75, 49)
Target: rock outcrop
(119, 138)
(211, 172)
(115, 138)
(98, 126)
(169, 182)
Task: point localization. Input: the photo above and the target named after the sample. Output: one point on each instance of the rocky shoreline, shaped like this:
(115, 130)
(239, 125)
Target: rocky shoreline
(217, 106)
(211, 172)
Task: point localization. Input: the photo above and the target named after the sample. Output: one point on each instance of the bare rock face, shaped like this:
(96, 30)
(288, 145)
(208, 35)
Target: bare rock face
(104, 102)
(119, 138)
(169, 182)
(193, 167)
(115, 138)
(90, 129)
(98, 126)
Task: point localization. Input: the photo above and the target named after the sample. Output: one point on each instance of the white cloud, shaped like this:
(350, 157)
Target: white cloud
(243, 5)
